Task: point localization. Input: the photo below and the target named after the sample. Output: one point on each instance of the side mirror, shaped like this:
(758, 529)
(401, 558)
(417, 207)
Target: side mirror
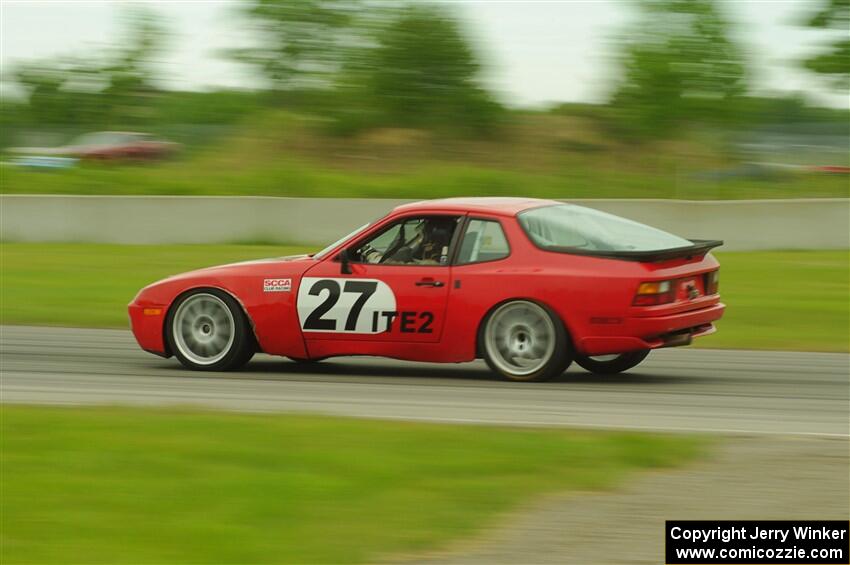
(345, 262)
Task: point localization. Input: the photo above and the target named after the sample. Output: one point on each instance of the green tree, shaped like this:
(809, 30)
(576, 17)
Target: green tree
(116, 89)
(301, 41)
(130, 71)
(423, 72)
(60, 92)
(43, 84)
(834, 60)
(679, 66)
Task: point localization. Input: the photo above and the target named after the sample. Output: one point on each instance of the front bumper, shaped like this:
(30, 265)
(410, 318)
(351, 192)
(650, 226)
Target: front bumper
(653, 332)
(146, 321)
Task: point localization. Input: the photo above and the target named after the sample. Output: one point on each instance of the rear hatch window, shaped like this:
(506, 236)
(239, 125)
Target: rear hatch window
(567, 228)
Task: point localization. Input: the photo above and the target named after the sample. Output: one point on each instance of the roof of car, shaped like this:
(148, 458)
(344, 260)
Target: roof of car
(501, 206)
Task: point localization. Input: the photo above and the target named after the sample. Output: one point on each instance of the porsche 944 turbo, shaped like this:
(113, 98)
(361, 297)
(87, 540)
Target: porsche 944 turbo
(528, 285)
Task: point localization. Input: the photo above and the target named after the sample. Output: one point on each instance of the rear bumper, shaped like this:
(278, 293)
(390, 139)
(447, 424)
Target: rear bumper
(653, 332)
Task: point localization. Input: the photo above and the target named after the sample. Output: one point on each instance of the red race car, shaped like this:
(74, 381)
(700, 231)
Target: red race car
(107, 146)
(529, 285)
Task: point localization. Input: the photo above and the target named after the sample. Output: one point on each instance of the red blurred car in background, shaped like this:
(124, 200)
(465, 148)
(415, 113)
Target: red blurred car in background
(106, 145)
(529, 285)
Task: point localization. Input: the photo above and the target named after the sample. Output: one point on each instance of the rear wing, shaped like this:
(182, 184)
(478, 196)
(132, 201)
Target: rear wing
(699, 248)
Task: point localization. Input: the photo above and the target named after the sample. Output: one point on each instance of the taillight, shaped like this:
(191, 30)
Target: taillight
(712, 282)
(654, 293)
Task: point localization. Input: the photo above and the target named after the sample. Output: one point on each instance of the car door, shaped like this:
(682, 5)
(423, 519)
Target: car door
(396, 289)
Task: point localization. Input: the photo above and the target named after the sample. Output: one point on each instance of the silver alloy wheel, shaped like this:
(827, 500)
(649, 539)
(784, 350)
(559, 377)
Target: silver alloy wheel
(203, 329)
(520, 338)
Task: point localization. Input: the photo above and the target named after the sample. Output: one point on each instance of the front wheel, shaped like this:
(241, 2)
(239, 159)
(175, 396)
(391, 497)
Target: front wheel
(524, 341)
(207, 331)
(611, 364)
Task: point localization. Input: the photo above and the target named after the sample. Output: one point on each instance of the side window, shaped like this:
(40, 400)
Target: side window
(412, 241)
(384, 240)
(484, 240)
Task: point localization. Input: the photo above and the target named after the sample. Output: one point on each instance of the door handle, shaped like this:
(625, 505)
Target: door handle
(430, 282)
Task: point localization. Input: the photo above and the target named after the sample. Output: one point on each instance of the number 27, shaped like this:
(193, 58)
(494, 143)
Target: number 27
(315, 321)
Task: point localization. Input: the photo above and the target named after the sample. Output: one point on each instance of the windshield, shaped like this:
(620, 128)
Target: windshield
(566, 226)
(330, 247)
(107, 138)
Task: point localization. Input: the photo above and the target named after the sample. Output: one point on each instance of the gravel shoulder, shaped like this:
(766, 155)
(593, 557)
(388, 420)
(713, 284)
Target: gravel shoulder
(744, 478)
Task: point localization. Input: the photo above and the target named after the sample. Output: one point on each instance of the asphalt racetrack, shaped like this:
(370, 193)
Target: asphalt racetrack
(749, 392)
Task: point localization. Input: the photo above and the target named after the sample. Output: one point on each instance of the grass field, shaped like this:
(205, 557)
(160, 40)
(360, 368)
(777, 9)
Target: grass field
(108, 485)
(293, 177)
(91, 285)
(281, 154)
(793, 300)
(776, 300)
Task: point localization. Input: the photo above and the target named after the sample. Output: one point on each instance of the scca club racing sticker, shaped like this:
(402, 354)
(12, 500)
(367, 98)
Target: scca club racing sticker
(358, 306)
(277, 285)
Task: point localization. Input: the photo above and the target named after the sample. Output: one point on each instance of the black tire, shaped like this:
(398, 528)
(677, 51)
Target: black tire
(554, 362)
(305, 361)
(622, 362)
(233, 355)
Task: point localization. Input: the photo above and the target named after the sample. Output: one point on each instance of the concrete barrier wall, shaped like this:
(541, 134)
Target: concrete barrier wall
(744, 225)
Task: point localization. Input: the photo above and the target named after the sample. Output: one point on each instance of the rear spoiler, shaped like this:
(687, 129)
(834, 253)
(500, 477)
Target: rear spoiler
(699, 248)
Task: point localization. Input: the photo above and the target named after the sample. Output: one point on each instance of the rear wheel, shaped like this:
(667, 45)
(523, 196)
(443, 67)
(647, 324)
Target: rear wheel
(524, 341)
(610, 364)
(207, 331)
